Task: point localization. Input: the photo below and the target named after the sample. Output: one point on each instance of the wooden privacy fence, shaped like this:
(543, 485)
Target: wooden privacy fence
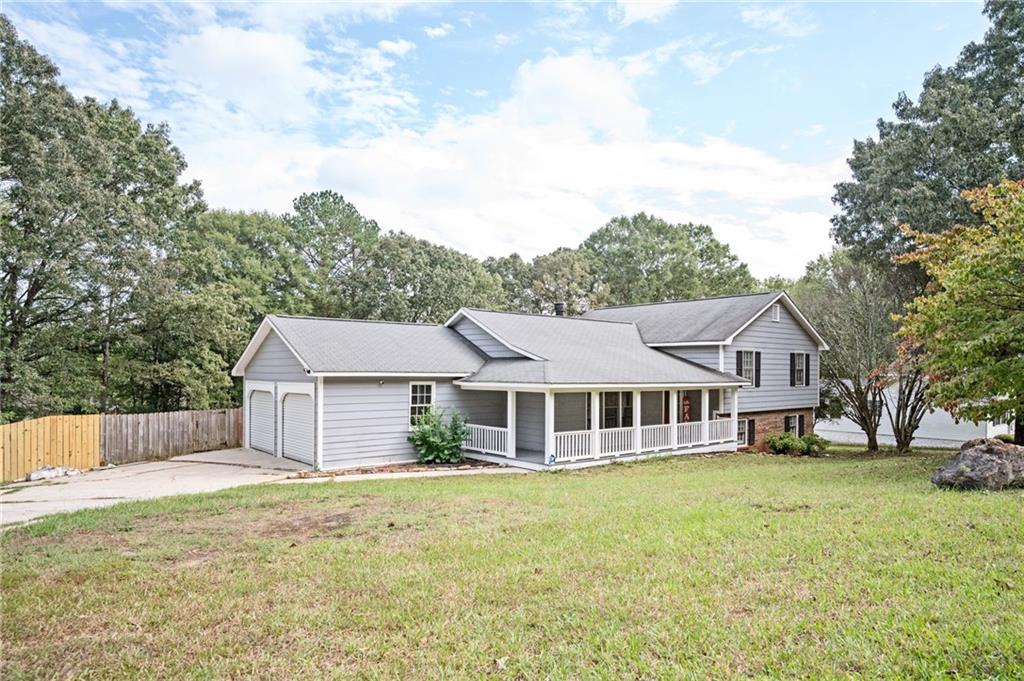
(70, 441)
(136, 437)
(86, 441)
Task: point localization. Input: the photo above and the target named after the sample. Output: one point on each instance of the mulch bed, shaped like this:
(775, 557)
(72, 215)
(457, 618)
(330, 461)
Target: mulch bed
(398, 468)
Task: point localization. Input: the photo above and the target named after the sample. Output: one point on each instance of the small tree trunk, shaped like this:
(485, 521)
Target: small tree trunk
(873, 442)
(105, 377)
(1018, 430)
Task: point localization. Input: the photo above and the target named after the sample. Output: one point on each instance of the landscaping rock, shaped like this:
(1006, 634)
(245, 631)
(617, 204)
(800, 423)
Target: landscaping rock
(983, 464)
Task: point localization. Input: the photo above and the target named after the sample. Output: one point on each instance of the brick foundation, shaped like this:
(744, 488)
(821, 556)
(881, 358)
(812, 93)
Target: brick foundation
(768, 422)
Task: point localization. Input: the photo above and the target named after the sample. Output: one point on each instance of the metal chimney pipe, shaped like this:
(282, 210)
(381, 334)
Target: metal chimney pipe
(559, 309)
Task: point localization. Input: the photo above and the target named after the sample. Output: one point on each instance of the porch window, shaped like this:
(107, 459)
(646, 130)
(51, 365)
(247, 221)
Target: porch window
(616, 409)
(421, 399)
(747, 365)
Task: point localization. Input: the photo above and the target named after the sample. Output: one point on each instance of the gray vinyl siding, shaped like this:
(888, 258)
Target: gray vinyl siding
(570, 411)
(702, 354)
(775, 340)
(530, 421)
(273, 361)
(366, 422)
(483, 340)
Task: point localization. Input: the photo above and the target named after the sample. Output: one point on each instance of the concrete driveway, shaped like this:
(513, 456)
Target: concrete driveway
(203, 472)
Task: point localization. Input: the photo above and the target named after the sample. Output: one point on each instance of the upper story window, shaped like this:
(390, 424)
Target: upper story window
(799, 368)
(776, 312)
(746, 368)
(421, 399)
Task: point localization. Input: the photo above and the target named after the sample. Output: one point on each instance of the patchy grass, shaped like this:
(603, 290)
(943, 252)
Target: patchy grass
(740, 566)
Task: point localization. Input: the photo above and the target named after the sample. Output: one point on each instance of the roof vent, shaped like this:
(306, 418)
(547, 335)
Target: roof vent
(559, 309)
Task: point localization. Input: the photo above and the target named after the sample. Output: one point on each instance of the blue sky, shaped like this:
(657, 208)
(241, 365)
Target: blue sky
(517, 127)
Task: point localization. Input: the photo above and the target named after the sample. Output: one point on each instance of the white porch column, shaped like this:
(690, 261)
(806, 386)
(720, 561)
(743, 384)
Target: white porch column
(636, 422)
(734, 398)
(673, 416)
(705, 404)
(549, 425)
(318, 456)
(595, 423)
(510, 422)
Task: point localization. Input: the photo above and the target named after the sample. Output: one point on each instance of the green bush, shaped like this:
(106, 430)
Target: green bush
(439, 442)
(784, 443)
(1005, 437)
(814, 444)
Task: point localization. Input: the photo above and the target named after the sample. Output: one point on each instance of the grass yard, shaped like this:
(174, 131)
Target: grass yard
(745, 565)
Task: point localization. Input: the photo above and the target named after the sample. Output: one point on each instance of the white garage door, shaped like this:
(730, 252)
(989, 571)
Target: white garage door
(261, 421)
(297, 427)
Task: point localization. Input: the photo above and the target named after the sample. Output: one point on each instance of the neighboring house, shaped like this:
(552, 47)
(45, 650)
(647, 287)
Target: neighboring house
(538, 391)
(937, 429)
(762, 337)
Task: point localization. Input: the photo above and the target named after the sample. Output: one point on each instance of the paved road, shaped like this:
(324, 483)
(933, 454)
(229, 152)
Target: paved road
(205, 472)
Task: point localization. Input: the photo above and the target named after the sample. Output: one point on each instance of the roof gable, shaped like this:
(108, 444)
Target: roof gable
(704, 321)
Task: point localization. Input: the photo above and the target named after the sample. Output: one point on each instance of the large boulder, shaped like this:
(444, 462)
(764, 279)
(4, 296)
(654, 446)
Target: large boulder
(983, 464)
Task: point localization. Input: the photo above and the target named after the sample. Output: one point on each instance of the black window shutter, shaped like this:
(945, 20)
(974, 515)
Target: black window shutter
(800, 425)
(807, 369)
(739, 362)
(792, 368)
(750, 431)
(757, 369)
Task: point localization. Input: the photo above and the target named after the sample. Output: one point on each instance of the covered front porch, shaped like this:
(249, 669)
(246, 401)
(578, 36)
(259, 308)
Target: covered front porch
(543, 428)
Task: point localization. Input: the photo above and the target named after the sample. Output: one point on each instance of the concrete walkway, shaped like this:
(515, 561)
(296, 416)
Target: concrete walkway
(204, 472)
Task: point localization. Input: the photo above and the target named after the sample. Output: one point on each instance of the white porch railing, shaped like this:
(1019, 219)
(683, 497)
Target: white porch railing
(573, 444)
(617, 440)
(720, 430)
(655, 437)
(487, 439)
(690, 433)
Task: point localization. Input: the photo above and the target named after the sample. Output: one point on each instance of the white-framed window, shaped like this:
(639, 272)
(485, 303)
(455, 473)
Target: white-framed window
(747, 365)
(792, 424)
(617, 409)
(421, 399)
(741, 431)
(799, 367)
(776, 312)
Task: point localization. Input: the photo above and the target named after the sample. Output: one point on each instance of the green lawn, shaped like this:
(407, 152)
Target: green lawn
(745, 565)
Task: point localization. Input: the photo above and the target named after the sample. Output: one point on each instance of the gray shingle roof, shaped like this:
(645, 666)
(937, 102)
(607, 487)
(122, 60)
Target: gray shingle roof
(709, 320)
(583, 351)
(345, 345)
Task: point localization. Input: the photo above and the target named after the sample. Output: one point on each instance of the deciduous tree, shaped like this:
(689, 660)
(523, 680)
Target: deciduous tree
(970, 322)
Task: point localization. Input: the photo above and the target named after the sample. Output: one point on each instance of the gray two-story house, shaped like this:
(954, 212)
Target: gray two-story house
(761, 337)
(538, 391)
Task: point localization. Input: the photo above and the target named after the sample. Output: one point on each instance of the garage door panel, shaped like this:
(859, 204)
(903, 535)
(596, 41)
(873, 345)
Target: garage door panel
(297, 427)
(261, 421)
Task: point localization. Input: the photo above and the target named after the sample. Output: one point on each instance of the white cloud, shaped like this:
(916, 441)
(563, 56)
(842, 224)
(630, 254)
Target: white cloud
(505, 39)
(646, 63)
(438, 31)
(85, 66)
(399, 48)
(627, 12)
(480, 92)
(705, 64)
(812, 130)
(785, 19)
